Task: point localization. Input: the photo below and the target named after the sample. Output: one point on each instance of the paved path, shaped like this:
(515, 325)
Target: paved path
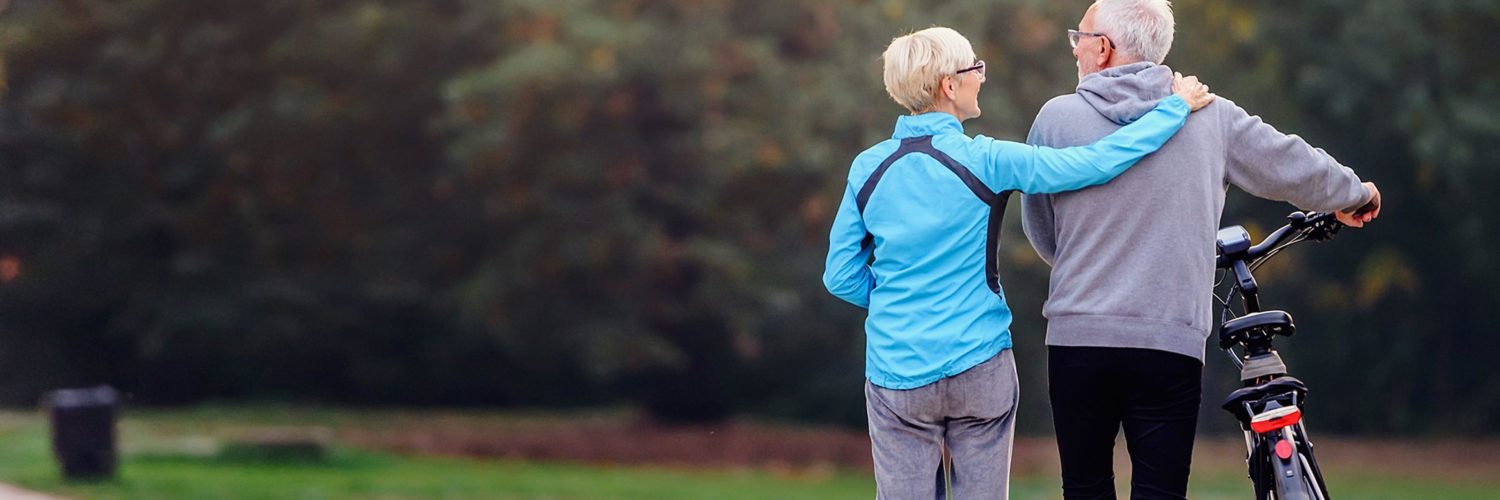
(8, 492)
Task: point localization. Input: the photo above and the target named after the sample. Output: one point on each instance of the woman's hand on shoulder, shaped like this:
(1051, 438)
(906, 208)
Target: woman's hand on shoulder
(1191, 90)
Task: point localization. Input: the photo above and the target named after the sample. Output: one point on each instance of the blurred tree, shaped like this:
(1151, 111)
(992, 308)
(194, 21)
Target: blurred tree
(670, 171)
(1402, 92)
(531, 202)
(218, 198)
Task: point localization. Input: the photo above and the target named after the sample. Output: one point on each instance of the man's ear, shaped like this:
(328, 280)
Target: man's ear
(1101, 59)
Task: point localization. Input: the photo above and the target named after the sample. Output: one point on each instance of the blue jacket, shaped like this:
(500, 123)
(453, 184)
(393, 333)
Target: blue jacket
(925, 218)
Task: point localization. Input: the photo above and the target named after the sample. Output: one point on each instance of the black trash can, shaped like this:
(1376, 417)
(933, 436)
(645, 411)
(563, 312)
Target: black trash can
(83, 431)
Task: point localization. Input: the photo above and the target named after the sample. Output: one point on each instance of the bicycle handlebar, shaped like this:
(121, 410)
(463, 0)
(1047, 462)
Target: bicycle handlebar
(1315, 225)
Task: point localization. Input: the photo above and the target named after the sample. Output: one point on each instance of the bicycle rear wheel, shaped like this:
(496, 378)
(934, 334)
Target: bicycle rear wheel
(1296, 476)
(1298, 487)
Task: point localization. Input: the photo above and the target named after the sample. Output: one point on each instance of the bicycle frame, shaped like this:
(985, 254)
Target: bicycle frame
(1279, 456)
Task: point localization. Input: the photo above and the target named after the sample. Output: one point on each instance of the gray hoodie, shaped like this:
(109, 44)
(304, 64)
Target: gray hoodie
(1133, 260)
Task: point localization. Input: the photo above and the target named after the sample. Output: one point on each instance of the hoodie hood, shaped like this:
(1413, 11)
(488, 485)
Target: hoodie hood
(1123, 94)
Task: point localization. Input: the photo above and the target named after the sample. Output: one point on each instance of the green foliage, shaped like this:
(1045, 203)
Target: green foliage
(562, 203)
(213, 201)
(1397, 314)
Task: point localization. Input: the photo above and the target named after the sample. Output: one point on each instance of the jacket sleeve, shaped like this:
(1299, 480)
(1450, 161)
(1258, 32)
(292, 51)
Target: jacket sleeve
(1038, 169)
(1272, 165)
(846, 273)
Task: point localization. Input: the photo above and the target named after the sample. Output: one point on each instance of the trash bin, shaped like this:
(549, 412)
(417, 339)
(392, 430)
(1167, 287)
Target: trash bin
(83, 431)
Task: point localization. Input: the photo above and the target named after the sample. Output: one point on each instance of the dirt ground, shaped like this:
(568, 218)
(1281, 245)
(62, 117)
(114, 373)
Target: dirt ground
(751, 444)
(609, 441)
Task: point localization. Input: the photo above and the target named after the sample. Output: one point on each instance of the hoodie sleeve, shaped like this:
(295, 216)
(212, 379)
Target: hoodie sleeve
(1037, 218)
(1037, 169)
(1272, 165)
(1039, 224)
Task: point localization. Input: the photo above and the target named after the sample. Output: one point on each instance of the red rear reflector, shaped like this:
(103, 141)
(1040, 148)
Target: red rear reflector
(1284, 449)
(1271, 424)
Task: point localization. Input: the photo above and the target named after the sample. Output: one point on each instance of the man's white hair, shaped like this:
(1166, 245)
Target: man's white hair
(916, 63)
(1141, 29)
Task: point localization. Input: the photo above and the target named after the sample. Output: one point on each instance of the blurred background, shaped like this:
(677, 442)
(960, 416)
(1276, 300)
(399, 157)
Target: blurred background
(550, 235)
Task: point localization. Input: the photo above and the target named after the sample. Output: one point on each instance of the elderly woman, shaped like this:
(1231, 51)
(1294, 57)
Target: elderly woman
(914, 242)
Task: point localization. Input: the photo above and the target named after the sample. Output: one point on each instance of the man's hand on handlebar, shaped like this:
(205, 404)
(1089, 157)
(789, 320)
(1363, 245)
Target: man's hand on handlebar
(1365, 213)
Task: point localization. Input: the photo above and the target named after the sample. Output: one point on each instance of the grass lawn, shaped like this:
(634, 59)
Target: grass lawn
(164, 459)
(26, 461)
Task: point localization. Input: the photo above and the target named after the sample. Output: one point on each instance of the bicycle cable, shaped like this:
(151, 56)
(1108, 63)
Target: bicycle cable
(1267, 257)
(1228, 300)
(1301, 237)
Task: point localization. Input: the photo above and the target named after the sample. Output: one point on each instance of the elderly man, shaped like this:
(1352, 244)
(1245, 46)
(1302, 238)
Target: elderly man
(913, 242)
(1132, 261)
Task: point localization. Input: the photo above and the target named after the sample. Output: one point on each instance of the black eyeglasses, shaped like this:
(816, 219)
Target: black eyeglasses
(1074, 35)
(978, 66)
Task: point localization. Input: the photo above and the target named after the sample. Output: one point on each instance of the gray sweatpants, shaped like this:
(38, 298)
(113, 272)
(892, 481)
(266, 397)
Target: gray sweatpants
(972, 414)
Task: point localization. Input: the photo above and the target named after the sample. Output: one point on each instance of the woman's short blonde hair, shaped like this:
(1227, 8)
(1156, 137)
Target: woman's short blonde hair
(916, 63)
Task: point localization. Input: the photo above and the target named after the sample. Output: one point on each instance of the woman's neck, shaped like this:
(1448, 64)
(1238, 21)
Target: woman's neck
(945, 107)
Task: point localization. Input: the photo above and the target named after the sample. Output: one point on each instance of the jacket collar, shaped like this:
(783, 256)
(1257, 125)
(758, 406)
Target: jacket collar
(933, 123)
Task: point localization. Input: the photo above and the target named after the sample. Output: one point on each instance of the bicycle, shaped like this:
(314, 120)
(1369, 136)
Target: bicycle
(1279, 454)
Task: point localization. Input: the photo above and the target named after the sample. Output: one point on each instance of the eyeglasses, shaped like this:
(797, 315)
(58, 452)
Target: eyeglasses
(1074, 35)
(978, 66)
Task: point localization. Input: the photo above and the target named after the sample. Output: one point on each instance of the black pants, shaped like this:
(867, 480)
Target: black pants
(1153, 394)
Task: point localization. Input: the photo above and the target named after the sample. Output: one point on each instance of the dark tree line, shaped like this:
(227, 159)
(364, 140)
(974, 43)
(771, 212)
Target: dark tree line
(532, 203)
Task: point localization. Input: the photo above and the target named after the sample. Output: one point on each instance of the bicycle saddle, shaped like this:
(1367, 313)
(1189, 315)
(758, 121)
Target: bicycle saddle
(1280, 385)
(1274, 322)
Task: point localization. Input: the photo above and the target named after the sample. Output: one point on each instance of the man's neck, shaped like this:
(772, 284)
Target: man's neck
(1114, 62)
